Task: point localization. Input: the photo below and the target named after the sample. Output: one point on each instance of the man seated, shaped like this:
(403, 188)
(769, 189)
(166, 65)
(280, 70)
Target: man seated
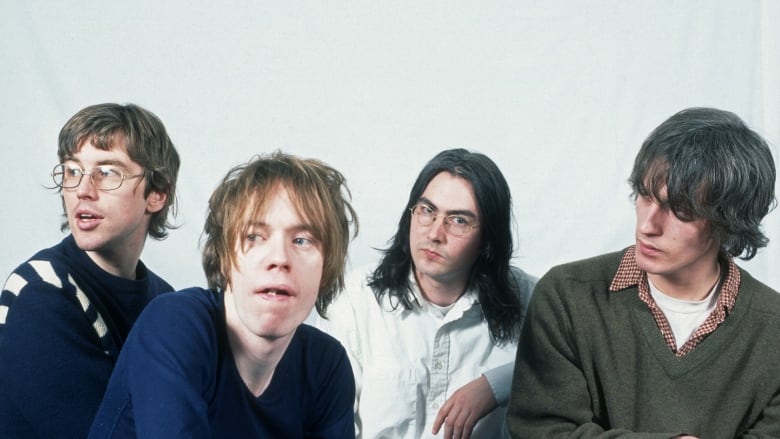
(668, 337)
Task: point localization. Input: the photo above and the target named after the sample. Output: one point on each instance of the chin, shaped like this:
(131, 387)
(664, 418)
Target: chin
(87, 243)
(276, 332)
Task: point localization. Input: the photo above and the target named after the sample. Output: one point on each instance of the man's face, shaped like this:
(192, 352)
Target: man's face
(670, 250)
(276, 278)
(109, 224)
(438, 255)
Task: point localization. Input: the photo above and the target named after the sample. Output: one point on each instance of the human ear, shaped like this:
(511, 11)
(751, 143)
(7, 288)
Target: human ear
(155, 201)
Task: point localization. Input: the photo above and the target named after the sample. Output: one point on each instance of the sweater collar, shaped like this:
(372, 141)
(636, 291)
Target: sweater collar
(629, 274)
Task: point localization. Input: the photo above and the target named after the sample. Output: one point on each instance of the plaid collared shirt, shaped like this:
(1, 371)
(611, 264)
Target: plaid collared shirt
(629, 274)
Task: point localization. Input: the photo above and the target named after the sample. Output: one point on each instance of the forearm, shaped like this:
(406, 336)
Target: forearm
(768, 423)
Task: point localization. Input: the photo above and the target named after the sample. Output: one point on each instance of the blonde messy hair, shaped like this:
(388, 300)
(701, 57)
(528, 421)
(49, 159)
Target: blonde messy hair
(320, 197)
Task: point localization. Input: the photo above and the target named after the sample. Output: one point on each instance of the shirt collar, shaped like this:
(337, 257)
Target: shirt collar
(629, 274)
(468, 299)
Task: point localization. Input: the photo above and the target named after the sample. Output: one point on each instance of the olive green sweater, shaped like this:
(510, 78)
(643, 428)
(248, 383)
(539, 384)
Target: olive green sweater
(593, 364)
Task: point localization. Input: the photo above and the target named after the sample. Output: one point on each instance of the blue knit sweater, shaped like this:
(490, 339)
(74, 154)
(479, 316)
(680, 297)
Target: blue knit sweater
(176, 377)
(63, 321)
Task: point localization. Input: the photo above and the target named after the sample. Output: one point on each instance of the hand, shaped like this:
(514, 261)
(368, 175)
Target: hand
(464, 408)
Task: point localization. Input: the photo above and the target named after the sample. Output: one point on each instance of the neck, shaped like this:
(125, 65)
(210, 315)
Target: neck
(256, 357)
(122, 264)
(255, 364)
(689, 287)
(442, 292)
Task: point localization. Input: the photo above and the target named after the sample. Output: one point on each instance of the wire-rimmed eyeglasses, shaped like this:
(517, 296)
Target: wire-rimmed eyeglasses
(104, 178)
(458, 225)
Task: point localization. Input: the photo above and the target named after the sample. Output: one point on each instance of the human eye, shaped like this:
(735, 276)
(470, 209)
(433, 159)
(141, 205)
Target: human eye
(684, 214)
(72, 171)
(424, 209)
(253, 236)
(105, 172)
(642, 192)
(250, 241)
(459, 220)
(302, 241)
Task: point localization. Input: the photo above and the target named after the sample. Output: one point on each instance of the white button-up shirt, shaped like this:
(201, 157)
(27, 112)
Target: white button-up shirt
(408, 362)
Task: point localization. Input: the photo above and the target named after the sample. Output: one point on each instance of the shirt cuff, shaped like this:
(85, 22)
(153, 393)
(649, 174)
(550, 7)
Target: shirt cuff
(500, 381)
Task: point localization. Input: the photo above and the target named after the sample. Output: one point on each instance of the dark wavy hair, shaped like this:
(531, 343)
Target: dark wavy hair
(490, 275)
(146, 141)
(714, 168)
(319, 195)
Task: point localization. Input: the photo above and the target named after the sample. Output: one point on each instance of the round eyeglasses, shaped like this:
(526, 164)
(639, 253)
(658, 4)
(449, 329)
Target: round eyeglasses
(457, 225)
(104, 178)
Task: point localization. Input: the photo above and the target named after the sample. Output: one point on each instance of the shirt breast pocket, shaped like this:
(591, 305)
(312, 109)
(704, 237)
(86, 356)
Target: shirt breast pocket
(390, 398)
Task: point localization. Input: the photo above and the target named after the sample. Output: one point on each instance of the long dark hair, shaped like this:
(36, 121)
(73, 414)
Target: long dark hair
(490, 275)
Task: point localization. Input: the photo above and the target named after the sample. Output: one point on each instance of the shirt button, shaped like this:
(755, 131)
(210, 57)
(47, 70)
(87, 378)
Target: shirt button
(436, 406)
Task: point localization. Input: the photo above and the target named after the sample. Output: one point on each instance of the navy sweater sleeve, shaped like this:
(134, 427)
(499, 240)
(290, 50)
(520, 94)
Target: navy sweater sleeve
(49, 347)
(165, 374)
(62, 322)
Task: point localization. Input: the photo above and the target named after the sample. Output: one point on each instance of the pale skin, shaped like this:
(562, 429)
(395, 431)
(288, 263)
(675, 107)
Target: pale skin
(273, 288)
(110, 226)
(442, 263)
(680, 257)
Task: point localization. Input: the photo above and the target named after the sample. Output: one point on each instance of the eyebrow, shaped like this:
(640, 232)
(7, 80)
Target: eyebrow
(108, 162)
(296, 228)
(462, 212)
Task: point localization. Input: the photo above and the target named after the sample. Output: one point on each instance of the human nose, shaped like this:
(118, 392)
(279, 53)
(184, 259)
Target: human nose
(278, 256)
(648, 217)
(86, 187)
(437, 229)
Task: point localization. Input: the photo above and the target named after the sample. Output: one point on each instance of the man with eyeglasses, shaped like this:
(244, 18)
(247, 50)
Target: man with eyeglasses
(431, 332)
(65, 313)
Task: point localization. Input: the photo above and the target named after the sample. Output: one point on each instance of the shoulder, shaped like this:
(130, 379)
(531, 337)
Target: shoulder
(522, 279)
(579, 280)
(155, 282)
(321, 355)
(318, 342)
(192, 309)
(764, 299)
(317, 356)
(197, 301)
(188, 322)
(49, 266)
(594, 268)
(39, 283)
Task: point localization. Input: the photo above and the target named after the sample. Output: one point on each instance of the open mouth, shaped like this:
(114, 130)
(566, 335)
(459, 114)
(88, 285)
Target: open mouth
(274, 294)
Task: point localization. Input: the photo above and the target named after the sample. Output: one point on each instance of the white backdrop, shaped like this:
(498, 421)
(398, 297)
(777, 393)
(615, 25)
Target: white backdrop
(560, 94)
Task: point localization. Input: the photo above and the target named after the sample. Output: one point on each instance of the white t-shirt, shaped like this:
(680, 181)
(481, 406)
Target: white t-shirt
(684, 316)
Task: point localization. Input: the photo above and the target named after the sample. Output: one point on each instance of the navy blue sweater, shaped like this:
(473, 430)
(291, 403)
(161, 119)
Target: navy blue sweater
(63, 321)
(176, 377)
